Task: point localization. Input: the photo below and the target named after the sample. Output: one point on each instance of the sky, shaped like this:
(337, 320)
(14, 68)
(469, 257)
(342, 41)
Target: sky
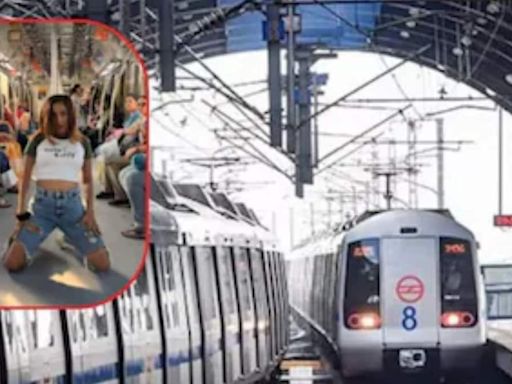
(184, 130)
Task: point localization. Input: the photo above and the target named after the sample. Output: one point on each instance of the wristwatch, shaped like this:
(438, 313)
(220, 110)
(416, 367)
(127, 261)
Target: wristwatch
(23, 216)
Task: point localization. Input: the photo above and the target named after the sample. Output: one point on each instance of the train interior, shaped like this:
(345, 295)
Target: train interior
(36, 61)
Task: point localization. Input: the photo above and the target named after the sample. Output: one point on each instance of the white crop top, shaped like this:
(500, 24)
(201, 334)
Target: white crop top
(61, 160)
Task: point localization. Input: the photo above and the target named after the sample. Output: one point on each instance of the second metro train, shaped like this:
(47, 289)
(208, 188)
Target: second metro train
(394, 291)
(209, 307)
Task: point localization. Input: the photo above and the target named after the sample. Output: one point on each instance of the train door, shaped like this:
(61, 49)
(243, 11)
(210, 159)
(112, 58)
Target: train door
(246, 304)
(174, 314)
(210, 315)
(15, 347)
(262, 314)
(93, 342)
(46, 346)
(410, 290)
(232, 348)
(192, 305)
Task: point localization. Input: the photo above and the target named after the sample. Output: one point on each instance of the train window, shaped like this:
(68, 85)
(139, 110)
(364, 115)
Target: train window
(20, 331)
(362, 292)
(206, 282)
(141, 303)
(259, 284)
(41, 326)
(226, 279)
(458, 288)
(82, 326)
(244, 283)
(125, 303)
(99, 323)
(8, 331)
(163, 257)
(191, 293)
(174, 277)
(14, 332)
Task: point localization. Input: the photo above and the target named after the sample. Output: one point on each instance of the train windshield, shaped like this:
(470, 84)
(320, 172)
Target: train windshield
(362, 293)
(457, 276)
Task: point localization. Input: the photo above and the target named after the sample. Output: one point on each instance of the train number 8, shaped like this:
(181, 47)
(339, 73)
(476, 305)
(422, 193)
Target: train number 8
(409, 321)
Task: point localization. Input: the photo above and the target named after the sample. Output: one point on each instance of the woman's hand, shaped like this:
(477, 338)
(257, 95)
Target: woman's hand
(89, 222)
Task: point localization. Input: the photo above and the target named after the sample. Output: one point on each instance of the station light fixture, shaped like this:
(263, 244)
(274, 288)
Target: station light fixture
(493, 7)
(466, 40)
(405, 34)
(411, 23)
(508, 78)
(457, 51)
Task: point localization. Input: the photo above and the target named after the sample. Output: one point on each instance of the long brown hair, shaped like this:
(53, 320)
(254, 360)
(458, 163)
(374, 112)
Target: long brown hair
(47, 118)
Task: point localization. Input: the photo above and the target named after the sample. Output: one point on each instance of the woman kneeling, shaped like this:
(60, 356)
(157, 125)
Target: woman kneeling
(54, 158)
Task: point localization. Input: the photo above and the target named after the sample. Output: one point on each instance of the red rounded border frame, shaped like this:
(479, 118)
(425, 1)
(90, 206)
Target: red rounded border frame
(147, 240)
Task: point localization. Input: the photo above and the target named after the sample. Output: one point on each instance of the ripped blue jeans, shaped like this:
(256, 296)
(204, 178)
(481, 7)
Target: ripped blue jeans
(62, 210)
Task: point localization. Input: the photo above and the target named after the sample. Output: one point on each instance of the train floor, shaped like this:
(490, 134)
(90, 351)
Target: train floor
(57, 277)
(306, 363)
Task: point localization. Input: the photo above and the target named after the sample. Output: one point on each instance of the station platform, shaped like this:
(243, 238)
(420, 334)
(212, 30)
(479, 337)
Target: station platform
(57, 277)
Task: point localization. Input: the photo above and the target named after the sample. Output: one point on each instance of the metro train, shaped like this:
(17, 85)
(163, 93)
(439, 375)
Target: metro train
(210, 306)
(396, 292)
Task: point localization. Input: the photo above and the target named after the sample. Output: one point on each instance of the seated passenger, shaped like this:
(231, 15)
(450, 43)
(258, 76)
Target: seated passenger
(10, 146)
(56, 156)
(117, 156)
(4, 169)
(132, 179)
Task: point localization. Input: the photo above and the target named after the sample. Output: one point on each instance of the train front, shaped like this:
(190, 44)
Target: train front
(410, 297)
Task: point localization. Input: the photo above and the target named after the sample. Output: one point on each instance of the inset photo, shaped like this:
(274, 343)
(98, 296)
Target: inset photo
(73, 136)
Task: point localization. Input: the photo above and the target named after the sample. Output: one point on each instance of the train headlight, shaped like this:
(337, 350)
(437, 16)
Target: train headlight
(364, 321)
(457, 319)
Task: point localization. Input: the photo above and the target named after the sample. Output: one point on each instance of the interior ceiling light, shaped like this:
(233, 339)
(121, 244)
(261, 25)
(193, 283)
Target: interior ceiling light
(411, 23)
(466, 40)
(405, 34)
(508, 78)
(457, 51)
(493, 7)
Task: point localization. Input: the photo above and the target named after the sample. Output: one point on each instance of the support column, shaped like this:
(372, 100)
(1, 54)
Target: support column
(274, 74)
(124, 11)
(166, 41)
(500, 161)
(291, 124)
(304, 121)
(440, 163)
